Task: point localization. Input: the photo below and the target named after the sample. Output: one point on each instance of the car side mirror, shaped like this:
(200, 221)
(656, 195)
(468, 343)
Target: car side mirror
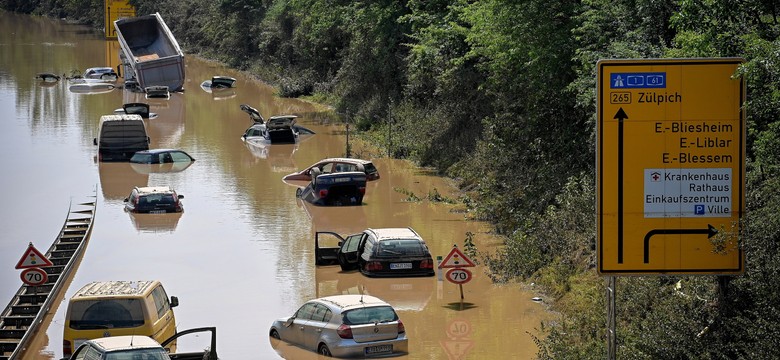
(289, 321)
(126, 200)
(94, 141)
(174, 301)
(341, 243)
(181, 196)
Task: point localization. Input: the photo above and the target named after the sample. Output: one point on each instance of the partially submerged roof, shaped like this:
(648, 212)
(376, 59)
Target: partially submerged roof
(113, 288)
(126, 342)
(394, 233)
(154, 189)
(353, 300)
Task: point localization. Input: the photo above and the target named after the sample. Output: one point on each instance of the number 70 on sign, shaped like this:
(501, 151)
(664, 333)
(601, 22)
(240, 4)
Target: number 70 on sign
(458, 275)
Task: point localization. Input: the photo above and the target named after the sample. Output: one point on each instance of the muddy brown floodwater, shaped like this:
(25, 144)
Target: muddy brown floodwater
(241, 253)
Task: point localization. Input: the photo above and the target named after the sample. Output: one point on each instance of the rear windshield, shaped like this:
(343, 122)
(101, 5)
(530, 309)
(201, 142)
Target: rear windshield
(370, 168)
(401, 247)
(151, 199)
(135, 354)
(370, 315)
(105, 314)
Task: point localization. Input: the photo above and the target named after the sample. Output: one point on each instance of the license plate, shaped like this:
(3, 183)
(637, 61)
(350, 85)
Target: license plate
(339, 180)
(157, 212)
(396, 266)
(379, 349)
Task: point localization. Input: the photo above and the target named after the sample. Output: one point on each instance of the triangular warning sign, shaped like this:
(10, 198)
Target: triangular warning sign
(457, 349)
(33, 258)
(456, 258)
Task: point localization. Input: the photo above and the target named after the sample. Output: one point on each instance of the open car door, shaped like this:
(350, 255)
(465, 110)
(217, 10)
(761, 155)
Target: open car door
(331, 249)
(326, 247)
(208, 354)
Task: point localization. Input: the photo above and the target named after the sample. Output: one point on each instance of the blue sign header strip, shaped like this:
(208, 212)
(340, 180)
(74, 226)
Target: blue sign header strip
(642, 80)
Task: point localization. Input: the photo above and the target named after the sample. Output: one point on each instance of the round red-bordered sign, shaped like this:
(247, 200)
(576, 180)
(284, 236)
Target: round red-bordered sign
(458, 275)
(34, 276)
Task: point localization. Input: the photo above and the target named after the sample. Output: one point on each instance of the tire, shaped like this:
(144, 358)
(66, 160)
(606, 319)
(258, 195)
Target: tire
(275, 334)
(323, 350)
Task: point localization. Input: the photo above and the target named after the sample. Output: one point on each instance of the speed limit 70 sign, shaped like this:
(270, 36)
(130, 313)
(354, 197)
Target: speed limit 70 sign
(458, 275)
(34, 276)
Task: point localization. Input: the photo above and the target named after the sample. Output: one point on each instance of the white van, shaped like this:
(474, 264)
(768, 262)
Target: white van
(120, 136)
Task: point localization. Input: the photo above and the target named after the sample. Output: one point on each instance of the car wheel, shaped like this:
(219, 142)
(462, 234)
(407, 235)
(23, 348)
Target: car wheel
(323, 350)
(275, 334)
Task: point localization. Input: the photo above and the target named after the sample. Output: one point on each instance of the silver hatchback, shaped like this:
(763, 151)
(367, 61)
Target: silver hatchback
(344, 326)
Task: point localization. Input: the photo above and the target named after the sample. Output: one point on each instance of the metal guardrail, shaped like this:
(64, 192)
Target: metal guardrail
(24, 313)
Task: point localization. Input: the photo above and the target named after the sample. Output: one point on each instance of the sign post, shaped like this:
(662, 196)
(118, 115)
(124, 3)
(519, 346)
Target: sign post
(670, 166)
(670, 170)
(456, 261)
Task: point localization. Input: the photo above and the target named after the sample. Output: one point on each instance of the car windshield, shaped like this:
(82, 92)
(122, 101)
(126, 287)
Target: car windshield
(402, 247)
(369, 315)
(105, 314)
(141, 158)
(138, 354)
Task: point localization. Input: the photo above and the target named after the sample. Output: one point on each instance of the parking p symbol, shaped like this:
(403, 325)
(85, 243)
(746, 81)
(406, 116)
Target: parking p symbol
(698, 209)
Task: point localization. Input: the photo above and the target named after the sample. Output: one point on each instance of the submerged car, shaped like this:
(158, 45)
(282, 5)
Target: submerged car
(344, 326)
(280, 129)
(336, 189)
(160, 156)
(377, 252)
(218, 82)
(132, 347)
(104, 73)
(154, 200)
(277, 130)
(136, 108)
(334, 165)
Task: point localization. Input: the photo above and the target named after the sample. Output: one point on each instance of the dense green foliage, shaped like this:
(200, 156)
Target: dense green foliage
(501, 94)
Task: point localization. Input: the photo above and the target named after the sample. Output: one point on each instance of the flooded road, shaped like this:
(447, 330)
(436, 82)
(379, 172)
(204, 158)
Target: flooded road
(241, 253)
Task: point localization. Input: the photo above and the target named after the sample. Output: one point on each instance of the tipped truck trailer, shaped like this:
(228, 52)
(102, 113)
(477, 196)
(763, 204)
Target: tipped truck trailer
(149, 52)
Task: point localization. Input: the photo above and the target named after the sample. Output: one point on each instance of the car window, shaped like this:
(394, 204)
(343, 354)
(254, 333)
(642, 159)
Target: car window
(306, 311)
(327, 168)
(179, 156)
(321, 313)
(138, 354)
(369, 315)
(368, 245)
(106, 314)
(157, 199)
(352, 242)
(160, 301)
(141, 158)
(402, 247)
(369, 168)
(91, 354)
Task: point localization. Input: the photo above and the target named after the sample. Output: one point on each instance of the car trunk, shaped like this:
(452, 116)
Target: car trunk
(375, 332)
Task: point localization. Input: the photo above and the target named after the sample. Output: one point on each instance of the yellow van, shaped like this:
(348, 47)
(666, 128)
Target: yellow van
(111, 308)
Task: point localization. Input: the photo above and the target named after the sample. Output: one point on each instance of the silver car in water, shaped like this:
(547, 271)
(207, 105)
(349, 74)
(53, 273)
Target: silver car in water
(344, 326)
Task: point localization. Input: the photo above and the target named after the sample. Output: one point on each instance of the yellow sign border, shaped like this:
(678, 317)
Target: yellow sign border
(608, 240)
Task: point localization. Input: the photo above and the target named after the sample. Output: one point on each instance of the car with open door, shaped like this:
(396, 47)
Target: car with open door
(376, 252)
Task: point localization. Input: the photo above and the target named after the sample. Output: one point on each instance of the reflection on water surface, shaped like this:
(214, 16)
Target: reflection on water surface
(241, 255)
